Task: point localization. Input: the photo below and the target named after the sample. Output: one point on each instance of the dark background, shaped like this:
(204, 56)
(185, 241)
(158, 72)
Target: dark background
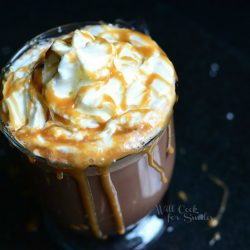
(209, 44)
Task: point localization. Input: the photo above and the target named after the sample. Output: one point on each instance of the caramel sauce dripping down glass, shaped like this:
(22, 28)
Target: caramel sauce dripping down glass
(114, 199)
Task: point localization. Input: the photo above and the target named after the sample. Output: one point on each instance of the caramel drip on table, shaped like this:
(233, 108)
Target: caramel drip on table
(214, 221)
(87, 201)
(113, 198)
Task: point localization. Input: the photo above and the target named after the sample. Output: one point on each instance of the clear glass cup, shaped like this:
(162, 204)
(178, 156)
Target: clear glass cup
(139, 186)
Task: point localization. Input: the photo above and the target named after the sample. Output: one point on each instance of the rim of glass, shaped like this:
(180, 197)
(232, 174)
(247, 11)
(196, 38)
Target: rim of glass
(45, 37)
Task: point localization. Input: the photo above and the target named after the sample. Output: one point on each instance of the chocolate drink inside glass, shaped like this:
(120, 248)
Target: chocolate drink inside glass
(91, 107)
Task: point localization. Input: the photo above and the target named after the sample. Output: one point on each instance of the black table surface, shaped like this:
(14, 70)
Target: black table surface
(209, 47)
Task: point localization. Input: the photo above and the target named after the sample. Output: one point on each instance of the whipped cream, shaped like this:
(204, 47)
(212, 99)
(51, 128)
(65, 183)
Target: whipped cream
(91, 96)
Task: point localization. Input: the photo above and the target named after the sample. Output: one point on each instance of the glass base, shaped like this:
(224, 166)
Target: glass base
(144, 233)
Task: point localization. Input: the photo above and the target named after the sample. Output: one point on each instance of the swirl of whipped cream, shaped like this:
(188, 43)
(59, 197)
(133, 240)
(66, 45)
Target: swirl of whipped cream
(94, 95)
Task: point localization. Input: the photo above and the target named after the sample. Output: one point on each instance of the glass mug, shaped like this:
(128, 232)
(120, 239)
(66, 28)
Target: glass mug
(139, 186)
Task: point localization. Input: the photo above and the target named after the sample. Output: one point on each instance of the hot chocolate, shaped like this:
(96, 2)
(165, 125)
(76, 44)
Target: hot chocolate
(94, 109)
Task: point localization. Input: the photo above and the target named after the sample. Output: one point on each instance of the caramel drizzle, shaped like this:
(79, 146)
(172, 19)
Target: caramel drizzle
(113, 199)
(88, 204)
(87, 201)
(214, 221)
(151, 149)
(110, 191)
(170, 149)
(153, 163)
(66, 106)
